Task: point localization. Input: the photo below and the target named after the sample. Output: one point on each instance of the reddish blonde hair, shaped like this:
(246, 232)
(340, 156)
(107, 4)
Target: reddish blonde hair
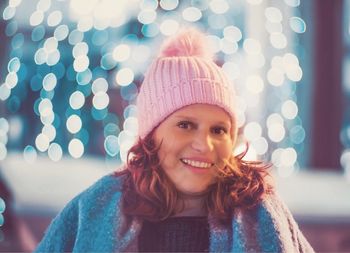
(151, 195)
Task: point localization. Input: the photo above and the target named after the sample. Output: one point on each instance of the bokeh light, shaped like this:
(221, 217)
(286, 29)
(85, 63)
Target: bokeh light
(292, 3)
(49, 131)
(273, 14)
(29, 154)
(61, 32)
(77, 100)
(169, 27)
(54, 18)
(36, 18)
(121, 53)
(124, 76)
(232, 33)
(219, 6)
(49, 82)
(84, 73)
(55, 152)
(191, 14)
(297, 24)
(76, 148)
(14, 65)
(81, 63)
(169, 5)
(42, 142)
(289, 109)
(74, 123)
(3, 151)
(2, 209)
(100, 100)
(111, 145)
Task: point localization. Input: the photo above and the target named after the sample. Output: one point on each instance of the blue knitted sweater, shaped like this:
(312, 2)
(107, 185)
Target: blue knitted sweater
(93, 222)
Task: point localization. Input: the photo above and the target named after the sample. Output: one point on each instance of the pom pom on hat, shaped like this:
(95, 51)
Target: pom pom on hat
(188, 42)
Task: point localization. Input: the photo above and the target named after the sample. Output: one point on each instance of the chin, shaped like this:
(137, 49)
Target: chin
(193, 190)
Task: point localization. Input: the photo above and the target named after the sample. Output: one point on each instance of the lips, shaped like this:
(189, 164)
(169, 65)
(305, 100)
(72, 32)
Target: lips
(196, 163)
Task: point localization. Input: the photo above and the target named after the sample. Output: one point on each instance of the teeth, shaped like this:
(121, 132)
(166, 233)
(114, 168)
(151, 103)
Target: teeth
(197, 163)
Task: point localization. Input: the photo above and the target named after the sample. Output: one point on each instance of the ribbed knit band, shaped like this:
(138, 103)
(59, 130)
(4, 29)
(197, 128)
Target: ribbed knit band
(175, 82)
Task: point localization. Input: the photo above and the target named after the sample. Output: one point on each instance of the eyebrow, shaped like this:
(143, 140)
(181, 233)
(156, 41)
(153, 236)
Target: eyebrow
(227, 123)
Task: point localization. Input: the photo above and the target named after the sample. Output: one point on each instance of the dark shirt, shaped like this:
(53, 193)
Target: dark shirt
(176, 234)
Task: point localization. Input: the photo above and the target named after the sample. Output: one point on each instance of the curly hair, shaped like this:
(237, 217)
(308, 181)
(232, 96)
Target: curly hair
(151, 195)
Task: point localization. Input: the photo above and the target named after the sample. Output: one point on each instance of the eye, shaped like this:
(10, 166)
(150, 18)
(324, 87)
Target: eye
(219, 130)
(185, 124)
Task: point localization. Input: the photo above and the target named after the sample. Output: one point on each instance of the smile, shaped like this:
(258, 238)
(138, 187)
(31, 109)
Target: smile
(197, 164)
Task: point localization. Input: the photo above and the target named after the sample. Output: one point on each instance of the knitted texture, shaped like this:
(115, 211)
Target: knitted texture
(94, 222)
(177, 234)
(183, 74)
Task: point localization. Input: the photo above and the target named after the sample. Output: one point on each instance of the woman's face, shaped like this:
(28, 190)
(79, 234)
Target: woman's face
(195, 141)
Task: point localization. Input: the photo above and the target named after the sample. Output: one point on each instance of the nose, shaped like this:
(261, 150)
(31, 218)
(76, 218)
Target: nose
(202, 142)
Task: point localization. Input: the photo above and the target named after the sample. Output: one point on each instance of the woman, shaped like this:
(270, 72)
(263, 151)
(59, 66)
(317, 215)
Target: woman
(182, 189)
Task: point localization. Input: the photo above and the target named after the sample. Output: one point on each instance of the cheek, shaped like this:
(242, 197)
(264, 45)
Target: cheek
(225, 150)
(168, 153)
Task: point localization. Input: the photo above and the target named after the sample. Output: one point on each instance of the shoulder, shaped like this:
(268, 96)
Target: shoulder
(273, 204)
(271, 209)
(272, 225)
(109, 183)
(84, 215)
(103, 190)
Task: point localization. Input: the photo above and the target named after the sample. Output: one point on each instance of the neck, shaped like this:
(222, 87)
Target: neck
(193, 204)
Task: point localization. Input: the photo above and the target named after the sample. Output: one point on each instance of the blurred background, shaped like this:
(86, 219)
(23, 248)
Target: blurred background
(69, 75)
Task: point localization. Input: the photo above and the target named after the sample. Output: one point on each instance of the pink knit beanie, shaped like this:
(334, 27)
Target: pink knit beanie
(183, 74)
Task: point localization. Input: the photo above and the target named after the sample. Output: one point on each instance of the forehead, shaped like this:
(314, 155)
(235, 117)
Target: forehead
(203, 111)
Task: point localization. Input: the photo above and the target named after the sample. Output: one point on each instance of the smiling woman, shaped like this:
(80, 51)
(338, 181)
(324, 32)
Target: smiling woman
(182, 189)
